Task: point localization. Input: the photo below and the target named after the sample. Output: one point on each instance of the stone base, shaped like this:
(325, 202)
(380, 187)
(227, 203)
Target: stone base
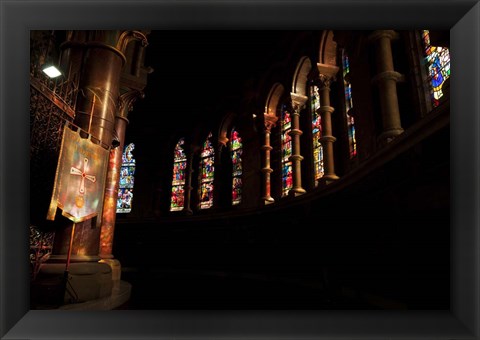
(327, 179)
(120, 294)
(86, 282)
(296, 192)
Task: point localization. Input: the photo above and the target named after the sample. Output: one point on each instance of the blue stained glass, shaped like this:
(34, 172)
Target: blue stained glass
(286, 139)
(316, 132)
(207, 172)
(348, 106)
(178, 180)
(126, 180)
(437, 61)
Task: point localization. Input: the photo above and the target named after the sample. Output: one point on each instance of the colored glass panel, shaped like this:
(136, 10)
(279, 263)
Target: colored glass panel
(437, 62)
(126, 181)
(178, 180)
(287, 176)
(316, 132)
(352, 142)
(236, 149)
(207, 171)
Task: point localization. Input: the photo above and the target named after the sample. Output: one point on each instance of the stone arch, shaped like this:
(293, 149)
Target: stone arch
(299, 84)
(225, 126)
(273, 99)
(328, 49)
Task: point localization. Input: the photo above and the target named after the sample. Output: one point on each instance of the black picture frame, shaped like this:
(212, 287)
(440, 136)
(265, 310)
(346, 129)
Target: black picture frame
(462, 18)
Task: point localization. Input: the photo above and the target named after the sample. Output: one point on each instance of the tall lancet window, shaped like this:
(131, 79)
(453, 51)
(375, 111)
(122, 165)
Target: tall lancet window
(316, 132)
(437, 60)
(178, 181)
(236, 149)
(352, 143)
(125, 186)
(207, 158)
(286, 126)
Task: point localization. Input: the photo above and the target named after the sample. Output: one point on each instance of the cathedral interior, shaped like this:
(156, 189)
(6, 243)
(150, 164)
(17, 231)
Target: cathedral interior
(240, 170)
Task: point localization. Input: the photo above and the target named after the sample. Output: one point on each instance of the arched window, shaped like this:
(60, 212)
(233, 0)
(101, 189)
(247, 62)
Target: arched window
(316, 132)
(125, 187)
(178, 181)
(207, 158)
(236, 149)
(286, 126)
(352, 143)
(437, 61)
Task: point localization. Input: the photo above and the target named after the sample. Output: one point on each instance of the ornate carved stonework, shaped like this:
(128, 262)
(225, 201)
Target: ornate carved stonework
(298, 101)
(270, 121)
(126, 101)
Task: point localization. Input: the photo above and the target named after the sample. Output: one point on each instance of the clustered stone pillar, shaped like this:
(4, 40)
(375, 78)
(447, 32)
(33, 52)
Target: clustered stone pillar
(99, 64)
(327, 75)
(298, 101)
(387, 79)
(270, 121)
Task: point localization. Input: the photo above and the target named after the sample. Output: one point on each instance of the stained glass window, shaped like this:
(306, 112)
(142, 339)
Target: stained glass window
(207, 158)
(437, 61)
(352, 143)
(178, 180)
(316, 132)
(236, 149)
(125, 187)
(287, 178)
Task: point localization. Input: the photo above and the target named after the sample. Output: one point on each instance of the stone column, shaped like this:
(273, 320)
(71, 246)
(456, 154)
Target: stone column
(327, 75)
(99, 64)
(298, 102)
(387, 79)
(270, 122)
(113, 175)
(187, 193)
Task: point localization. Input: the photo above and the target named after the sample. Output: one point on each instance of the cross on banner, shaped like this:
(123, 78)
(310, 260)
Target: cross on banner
(80, 178)
(78, 172)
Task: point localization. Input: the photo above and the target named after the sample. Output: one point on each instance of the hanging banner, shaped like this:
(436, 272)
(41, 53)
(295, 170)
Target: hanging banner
(80, 178)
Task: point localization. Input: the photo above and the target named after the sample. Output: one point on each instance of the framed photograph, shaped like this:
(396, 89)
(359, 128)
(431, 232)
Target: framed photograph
(435, 315)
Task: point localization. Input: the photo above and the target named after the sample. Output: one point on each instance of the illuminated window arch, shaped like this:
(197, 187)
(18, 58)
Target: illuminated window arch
(316, 132)
(236, 150)
(178, 180)
(207, 171)
(352, 143)
(437, 62)
(125, 187)
(286, 127)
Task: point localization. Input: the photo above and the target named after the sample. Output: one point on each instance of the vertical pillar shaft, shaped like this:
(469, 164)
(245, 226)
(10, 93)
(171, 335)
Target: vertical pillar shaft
(95, 111)
(111, 192)
(327, 139)
(386, 80)
(187, 194)
(270, 121)
(296, 158)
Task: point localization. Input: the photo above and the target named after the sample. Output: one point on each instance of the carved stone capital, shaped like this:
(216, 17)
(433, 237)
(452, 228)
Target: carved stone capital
(270, 121)
(298, 101)
(126, 100)
(222, 141)
(327, 73)
(128, 36)
(379, 34)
